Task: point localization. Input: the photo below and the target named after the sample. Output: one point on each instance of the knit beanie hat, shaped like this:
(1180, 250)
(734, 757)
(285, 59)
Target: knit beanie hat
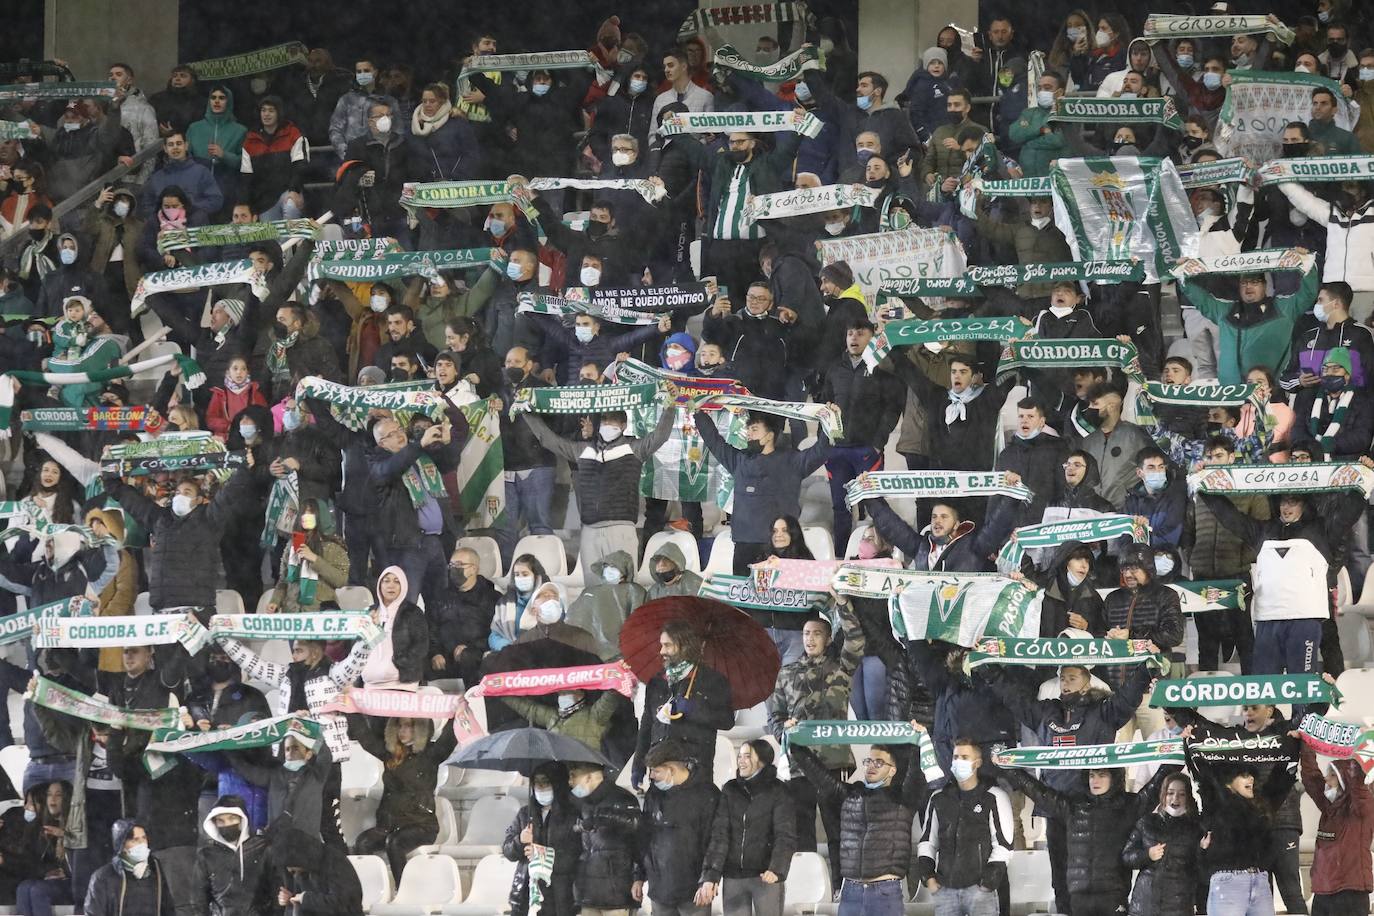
(233, 308)
(934, 54)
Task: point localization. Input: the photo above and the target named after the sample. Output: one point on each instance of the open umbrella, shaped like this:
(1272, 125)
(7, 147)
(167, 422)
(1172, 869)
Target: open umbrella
(523, 749)
(734, 644)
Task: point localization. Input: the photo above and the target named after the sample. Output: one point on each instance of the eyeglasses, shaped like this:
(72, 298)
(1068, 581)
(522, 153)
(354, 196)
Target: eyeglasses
(1075, 466)
(872, 762)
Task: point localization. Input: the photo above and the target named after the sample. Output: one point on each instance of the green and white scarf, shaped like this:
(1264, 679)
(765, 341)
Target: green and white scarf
(831, 422)
(1217, 594)
(237, 234)
(1241, 479)
(263, 60)
(1253, 749)
(283, 505)
(277, 365)
(879, 259)
(801, 201)
(975, 278)
(932, 485)
(401, 264)
(480, 476)
(167, 742)
(757, 122)
(302, 572)
(448, 195)
(1260, 103)
(1162, 28)
(785, 69)
(353, 403)
(16, 130)
(1207, 174)
(319, 626)
(743, 592)
(1069, 354)
(701, 20)
(1246, 262)
(32, 92)
(1196, 394)
(585, 399)
(830, 732)
(423, 480)
(1056, 651)
(1052, 534)
(1327, 434)
(1092, 756)
(353, 249)
(1019, 187)
(651, 191)
(180, 279)
(1248, 690)
(915, 331)
(1318, 168)
(537, 60)
(1117, 111)
(100, 632)
(167, 455)
(572, 304)
(52, 695)
(21, 624)
(954, 607)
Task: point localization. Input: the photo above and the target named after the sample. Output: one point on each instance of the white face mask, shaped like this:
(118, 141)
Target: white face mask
(835, 228)
(590, 277)
(636, 87)
(1060, 312)
(1040, 222)
(121, 208)
(1103, 38)
(583, 334)
(544, 797)
(621, 158)
(378, 302)
(30, 815)
(550, 611)
(383, 124)
(1075, 580)
(1044, 98)
(182, 505)
(566, 701)
(138, 852)
(1331, 793)
(67, 256)
(611, 575)
(523, 583)
(609, 432)
(961, 769)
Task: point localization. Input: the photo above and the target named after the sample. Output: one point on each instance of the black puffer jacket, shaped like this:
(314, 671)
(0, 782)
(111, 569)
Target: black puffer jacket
(964, 706)
(462, 618)
(1241, 828)
(1062, 597)
(230, 878)
(1166, 887)
(559, 830)
(114, 891)
(755, 829)
(875, 824)
(676, 830)
(408, 786)
(610, 848)
(965, 842)
(325, 878)
(1289, 815)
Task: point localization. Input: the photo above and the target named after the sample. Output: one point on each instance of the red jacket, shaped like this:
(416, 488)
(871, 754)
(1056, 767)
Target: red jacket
(1342, 861)
(225, 405)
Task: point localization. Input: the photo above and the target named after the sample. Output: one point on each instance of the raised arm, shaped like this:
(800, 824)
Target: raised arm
(564, 448)
(253, 665)
(644, 448)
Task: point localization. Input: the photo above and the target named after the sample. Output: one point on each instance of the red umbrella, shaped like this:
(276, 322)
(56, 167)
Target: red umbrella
(735, 645)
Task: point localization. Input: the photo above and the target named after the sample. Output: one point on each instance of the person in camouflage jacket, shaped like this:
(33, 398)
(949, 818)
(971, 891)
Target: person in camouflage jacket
(816, 686)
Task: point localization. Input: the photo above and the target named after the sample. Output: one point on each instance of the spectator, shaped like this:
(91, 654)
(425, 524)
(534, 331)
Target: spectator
(754, 865)
(684, 705)
(181, 171)
(353, 110)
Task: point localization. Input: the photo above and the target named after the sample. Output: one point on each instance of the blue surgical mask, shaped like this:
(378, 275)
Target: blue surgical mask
(662, 785)
(1127, 95)
(580, 791)
(248, 430)
(638, 86)
(611, 575)
(292, 765)
(961, 769)
(803, 92)
(583, 334)
(67, 256)
(365, 79)
(1319, 312)
(1333, 384)
(541, 89)
(1366, 74)
(1211, 80)
(513, 270)
(1044, 98)
(875, 784)
(1185, 61)
(864, 102)
(290, 420)
(497, 227)
(1075, 580)
(1026, 437)
(1164, 564)
(30, 815)
(1155, 480)
(543, 796)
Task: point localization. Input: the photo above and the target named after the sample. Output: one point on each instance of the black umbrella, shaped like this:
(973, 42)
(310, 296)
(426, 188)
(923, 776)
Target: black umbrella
(523, 749)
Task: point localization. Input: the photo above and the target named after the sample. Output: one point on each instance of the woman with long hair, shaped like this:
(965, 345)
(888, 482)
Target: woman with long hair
(45, 811)
(53, 489)
(1163, 849)
(476, 360)
(526, 575)
(314, 563)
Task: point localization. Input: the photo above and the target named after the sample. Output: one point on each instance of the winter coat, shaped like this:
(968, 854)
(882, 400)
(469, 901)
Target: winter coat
(397, 518)
(331, 569)
(224, 130)
(408, 785)
(1039, 462)
(272, 164)
(765, 173)
(587, 722)
(1150, 612)
(926, 98)
(688, 583)
(757, 346)
(871, 401)
(104, 232)
(204, 195)
(225, 405)
(230, 878)
(462, 618)
(602, 608)
(818, 688)
(78, 157)
(556, 829)
(967, 444)
(1345, 830)
(1037, 150)
(702, 698)
(963, 552)
(327, 883)
(875, 824)
(610, 860)
(675, 833)
(311, 354)
(755, 829)
(449, 152)
(1311, 407)
(1061, 598)
(384, 155)
(1241, 828)
(1260, 334)
(300, 794)
(964, 706)
(113, 891)
(349, 121)
(966, 836)
(1167, 887)
(1217, 552)
(1115, 457)
(178, 106)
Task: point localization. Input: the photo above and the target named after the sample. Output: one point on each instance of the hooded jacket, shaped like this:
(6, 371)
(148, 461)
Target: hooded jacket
(1084, 495)
(272, 164)
(178, 107)
(408, 778)
(754, 830)
(1150, 611)
(687, 582)
(609, 823)
(230, 877)
(556, 828)
(327, 884)
(1242, 828)
(1345, 830)
(204, 195)
(675, 833)
(1062, 597)
(818, 688)
(603, 607)
(222, 129)
(116, 891)
(1039, 461)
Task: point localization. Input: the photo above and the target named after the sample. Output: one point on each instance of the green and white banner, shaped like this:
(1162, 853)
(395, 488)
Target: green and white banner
(576, 302)
(915, 331)
(352, 249)
(1318, 168)
(831, 422)
(448, 195)
(880, 259)
(1198, 394)
(743, 592)
(101, 632)
(1161, 28)
(957, 607)
(1248, 690)
(322, 625)
(32, 92)
(1252, 749)
(1207, 174)
(585, 399)
(52, 695)
(801, 201)
(416, 397)
(1217, 594)
(1088, 653)
(249, 63)
(1116, 208)
(972, 282)
(829, 732)
(262, 733)
(1092, 756)
(166, 455)
(21, 624)
(1246, 262)
(237, 234)
(651, 191)
(17, 130)
(788, 68)
(1238, 479)
(1052, 534)
(1019, 187)
(755, 122)
(537, 60)
(1081, 110)
(401, 264)
(709, 18)
(481, 467)
(198, 276)
(1261, 103)
(1069, 354)
(932, 485)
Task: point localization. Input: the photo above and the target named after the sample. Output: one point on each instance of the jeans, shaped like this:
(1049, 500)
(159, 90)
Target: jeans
(877, 898)
(844, 464)
(360, 538)
(530, 499)
(37, 896)
(752, 897)
(868, 692)
(789, 643)
(1287, 645)
(425, 565)
(1240, 893)
(1341, 903)
(681, 909)
(965, 901)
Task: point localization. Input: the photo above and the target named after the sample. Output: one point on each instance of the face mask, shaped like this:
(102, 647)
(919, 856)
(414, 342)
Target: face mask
(121, 208)
(1333, 384)
(1185, 61)
(583, 334)
(961, 769)
(457, 576)
(1092, 415)
(1127, 94)
(1026, 437)
(1076, 33)
(609, 432)
(1319, 312)
(1060, 311)
(663, 578)
(803, 92)
(290, 420)
(875, 784)
(590, 277)
(247, 431)
(70, 126)
(1103, 38)
(954, 117)
(580, 791)
(1294, 150)
(137, 853)
(543, 796)
(596, 230)
(1175, 810)
(863, 155)
(513, 270)
(1331, 793)
(662, 785)
(37, 339)
(550, 611)
(611, 575)
(515, 376)
(1324, 16)
(1164, 564)
(1366, 74)
(378, 302)
(365, 79)
(1040, 222)
(1154, 480)
(524, 583)
(540, 88)
(864, 102)
(622, 159)
(677, 360)
(221, 671)
(30, 815)
(1004, 78)
(834, 228)
(1302, 68)
(638, 86)
(292, 765)
(497, 227)
(1211, 80)
(67, 256)
(232, 833)
(566, 701)
(1075, 580)
(1336, 50)
(1044, 98)
(867, 550)
(281, 330)
(182, 505)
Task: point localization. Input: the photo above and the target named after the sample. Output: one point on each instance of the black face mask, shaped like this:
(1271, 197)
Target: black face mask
(457, 576)
(663, 578)
(740, 155)
(37, 234)
(232, 833)
(1336, 49)
(1091, 415)
(1192, 142)
(515, 376)
(1214, 429)
(1294, 150)
(596, 230)
(1347, 201)
(221, 671)
(876, 182)
(281, 330)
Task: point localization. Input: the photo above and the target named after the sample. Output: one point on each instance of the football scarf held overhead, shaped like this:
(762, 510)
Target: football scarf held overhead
(1246, 262)
(754, 13)
(139, 418)
(959, 607)
(1092, 756)
(538, 60)
(32, 92)
(801, 201)
(191, 374)
(249, 63)
(101, 632)
(879, 259)
(1117, 111)
(180, 279)
(406, 704)
(542, 681)
(585, 399)
(321, 625)
(162, 455)
(1240, 479)
(831, 422)
(932, 485)
(350, 249)
(1253, 749)
(743, 592)
(830, 732)
(1247, 690)
(975, 278)
(52, 695)
(16, 130)
(679, 387)
(166, 742)
(910, 332)
(1019, 187)
(808, 575)
(1037, 652)
(755, 122)
(1223, 171)
(1069, 354)
(573, 304)
(1160, 28)
(1260, 103)
(1198, 394)
(651, 191)
(419, 397)
(1333, 739)
(237, 234)
(21, 624)
(1052, 534)
(399, 264)
(788, 68)
(448, 195)
(1318, 168)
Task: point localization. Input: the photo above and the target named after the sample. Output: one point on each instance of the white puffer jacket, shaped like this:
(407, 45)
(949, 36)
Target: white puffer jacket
(1349, 239)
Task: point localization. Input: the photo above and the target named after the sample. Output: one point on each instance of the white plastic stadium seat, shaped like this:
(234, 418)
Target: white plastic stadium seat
(684, 541)
(547, 549)
(749, 724)
(723, 766)
(488, 556)
(360, 792)
(263, 601)
(374, 874)
(14, 760)
(428, 884)
(1357, 687)
(1367, 588)
(353, 597)
(448, 828)
(808, 884)
(820, 542)
(722, 558)
(490, 891)
(142, 603)
(1355, 641)
(485, 827)
(1028, 873)
(1344, 596)
(228, 601)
